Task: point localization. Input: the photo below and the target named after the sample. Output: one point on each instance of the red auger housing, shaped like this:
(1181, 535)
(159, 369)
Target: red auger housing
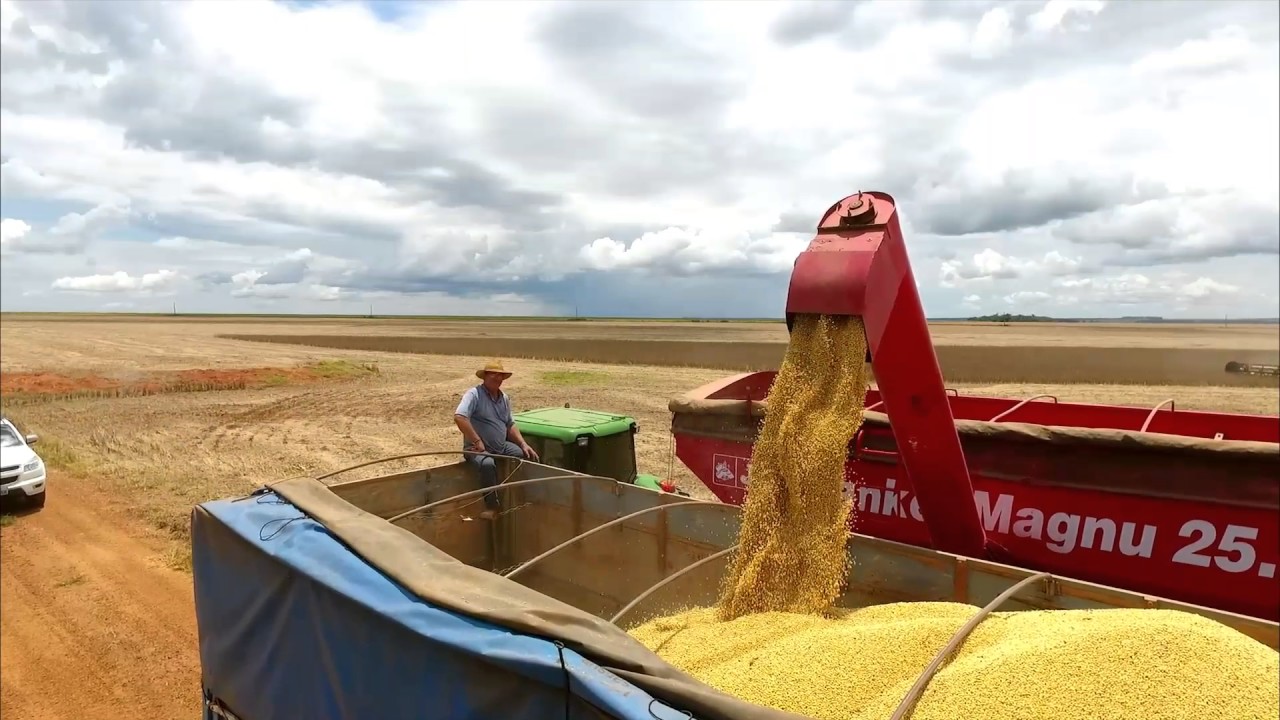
(857, 265)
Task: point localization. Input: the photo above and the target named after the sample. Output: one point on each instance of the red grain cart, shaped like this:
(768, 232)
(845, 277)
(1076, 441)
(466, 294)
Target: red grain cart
(1175, 503)
(1180, 504)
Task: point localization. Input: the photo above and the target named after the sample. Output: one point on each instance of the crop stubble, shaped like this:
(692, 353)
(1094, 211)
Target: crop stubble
(960, 363)
(1243, 336)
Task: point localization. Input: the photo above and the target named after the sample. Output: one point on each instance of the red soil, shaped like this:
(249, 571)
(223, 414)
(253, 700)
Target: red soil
(44, 383)
(47, 383)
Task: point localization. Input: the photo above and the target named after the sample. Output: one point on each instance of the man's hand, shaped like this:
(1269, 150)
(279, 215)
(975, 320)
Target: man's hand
(529, 452)
(468, 432)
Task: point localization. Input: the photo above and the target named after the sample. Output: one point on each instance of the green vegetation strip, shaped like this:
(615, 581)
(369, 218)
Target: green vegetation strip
(562, 378)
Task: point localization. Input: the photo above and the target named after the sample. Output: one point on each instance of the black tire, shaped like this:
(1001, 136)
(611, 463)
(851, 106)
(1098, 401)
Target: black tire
(37, 501)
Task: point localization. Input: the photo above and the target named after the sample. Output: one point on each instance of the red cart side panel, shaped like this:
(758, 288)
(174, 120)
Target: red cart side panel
(1214, 554)
(1177, 515)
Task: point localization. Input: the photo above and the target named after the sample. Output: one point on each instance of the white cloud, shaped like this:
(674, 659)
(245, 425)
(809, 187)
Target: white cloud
(1055, 263)
(1209, 288)
(246, 279)
(1028, 297)
(119, 282)
(80, 225)
(12, 231)
(1055, 14)
(1222, 47)
(279, 154)
(686, 250)
(994, 33)
(1170, 289)
(1184, 229)
(295, 291)
(990, 264)
(69, 235)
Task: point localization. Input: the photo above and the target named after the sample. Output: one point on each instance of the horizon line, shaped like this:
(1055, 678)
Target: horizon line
(1031, 319)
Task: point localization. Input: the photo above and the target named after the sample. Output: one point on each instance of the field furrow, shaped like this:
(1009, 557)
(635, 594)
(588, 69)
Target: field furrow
(960, 363)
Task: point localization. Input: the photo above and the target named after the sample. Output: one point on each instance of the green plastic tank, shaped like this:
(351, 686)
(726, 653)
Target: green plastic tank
(586, 441)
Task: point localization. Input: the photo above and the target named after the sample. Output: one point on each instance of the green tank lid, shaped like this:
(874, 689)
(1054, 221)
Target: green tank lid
(567, 424)
(649, 481)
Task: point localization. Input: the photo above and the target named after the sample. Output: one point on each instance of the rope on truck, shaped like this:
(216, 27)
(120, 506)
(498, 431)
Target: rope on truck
(521, 567)
(568, 681)
(481, 491)
(519, 463)
(668, 579)
(423, 454)
(671, 458)
(908, 703)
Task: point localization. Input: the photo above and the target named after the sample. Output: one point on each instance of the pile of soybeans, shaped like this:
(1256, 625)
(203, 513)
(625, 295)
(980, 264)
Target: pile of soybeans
(1116, 664)
(775, 639)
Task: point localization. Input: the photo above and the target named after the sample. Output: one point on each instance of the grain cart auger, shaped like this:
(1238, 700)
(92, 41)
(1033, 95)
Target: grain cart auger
(857, 265)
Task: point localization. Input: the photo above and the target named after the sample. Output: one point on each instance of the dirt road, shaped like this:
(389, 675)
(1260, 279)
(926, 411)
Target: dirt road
(92, 623)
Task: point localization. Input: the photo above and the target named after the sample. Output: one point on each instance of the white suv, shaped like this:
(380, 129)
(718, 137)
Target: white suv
(21, 469)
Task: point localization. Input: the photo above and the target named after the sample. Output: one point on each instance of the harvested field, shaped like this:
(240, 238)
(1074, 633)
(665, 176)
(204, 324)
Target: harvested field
(1237, 336)
(138, 462)
(164, 452)
(960, 363)
(23, 388)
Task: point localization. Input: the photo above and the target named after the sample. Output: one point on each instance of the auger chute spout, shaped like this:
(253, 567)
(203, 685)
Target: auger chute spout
(857, 265)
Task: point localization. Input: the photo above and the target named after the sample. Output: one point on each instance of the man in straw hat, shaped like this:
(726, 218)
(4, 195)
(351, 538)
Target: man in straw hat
(484, 417)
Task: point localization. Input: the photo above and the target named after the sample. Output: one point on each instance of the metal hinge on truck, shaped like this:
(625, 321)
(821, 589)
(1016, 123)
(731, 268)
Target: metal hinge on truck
(215, 709)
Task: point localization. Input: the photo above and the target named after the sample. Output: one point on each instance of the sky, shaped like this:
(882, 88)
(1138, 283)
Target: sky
(663, 159)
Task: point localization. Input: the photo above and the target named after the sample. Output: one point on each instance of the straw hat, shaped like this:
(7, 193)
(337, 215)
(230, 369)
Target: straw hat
(493, 366)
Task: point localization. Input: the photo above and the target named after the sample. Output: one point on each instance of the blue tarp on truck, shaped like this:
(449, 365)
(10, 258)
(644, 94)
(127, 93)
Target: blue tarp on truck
(293, 625)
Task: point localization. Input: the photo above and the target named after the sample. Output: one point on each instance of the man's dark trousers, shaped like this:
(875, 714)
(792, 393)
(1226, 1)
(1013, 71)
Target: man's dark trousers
(489, 468)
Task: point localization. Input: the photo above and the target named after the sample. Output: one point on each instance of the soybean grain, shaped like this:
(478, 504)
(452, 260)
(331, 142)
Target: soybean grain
(1111, 664)
(791, 555)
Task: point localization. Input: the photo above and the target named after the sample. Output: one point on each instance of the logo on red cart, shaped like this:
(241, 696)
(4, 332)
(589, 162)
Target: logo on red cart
(729, 471)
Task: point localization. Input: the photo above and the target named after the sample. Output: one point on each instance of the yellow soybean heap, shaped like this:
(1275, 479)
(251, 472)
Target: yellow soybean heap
(1114, 664)
(775, 639)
